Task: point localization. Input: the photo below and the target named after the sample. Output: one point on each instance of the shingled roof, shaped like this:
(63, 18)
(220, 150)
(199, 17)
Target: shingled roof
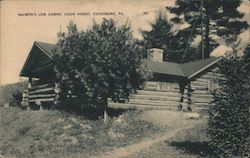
(186, 70)
(48, 48)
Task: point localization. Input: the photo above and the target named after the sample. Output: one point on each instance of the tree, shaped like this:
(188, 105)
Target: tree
(220, 18)
(229, 122)
(162, 36)
(100, 63)
(246, 58)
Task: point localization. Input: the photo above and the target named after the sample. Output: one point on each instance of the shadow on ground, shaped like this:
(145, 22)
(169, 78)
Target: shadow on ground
(197, 148)
(94, 113)
(88, 111)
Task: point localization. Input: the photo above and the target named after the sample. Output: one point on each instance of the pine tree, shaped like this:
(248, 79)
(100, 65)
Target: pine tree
(229, 122)
(162, 36)
(100, 63)
(220, 18)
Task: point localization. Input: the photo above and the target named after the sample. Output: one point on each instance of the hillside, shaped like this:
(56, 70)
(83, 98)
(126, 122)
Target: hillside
(56, 133)
(53, 133)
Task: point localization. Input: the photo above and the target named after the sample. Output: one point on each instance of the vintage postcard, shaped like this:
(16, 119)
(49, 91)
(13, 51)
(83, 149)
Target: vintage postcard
(124, 78)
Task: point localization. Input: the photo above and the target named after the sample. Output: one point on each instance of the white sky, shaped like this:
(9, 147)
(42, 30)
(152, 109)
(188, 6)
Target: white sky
(18, 33)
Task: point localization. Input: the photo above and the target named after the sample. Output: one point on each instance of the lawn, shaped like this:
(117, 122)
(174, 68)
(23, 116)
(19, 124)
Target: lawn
(193, 141)
(54, 133)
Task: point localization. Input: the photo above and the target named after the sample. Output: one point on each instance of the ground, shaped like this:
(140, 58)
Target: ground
(132, 134)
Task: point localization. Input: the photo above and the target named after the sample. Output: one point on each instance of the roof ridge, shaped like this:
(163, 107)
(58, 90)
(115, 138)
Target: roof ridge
(200, 60)
(198, 66)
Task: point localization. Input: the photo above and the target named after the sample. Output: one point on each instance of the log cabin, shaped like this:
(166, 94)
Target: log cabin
(172, 86)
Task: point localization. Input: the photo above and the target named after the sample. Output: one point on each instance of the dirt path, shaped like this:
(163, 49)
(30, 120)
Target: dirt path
(178, 122)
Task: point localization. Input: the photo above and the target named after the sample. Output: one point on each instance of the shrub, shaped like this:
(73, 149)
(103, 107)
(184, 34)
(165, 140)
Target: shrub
(12, 93)
(99, 63)
(229, 113)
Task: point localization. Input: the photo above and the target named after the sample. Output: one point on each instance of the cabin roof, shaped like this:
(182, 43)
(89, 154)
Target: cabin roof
(48, 48)
(169, 68)
(186, 70)
(191, 69)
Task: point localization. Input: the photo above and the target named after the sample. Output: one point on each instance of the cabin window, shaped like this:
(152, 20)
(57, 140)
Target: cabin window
(165, 86)
(212, 85)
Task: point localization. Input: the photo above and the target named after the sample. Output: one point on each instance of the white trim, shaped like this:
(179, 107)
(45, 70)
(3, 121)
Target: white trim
(204, 68)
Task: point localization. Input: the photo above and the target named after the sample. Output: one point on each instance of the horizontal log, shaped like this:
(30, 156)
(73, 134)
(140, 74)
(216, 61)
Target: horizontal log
(156, 90)
(154, 97)
(213, 73)
(150, 88)
(199, 109)
(158, 93)
(144, 107)
(42, 100)
(201, 104)
(153, 102)
(199, 100)
(215, 69)
(35, 87)
(41, 96)
(202, 80)
(197, 83)
(41, 90)
(37, 81)
(205, 88)
(201, 92)
(209, 77)
(149, 83)
(202, 96)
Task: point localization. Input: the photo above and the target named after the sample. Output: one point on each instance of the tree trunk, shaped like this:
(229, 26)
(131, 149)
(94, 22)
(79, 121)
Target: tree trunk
(207, 44)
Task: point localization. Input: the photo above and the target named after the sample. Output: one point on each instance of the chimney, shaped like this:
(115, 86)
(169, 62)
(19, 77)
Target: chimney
(155, 54)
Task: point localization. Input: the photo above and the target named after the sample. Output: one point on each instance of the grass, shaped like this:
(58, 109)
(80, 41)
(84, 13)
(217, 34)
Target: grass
(193, 141)
(54, 133)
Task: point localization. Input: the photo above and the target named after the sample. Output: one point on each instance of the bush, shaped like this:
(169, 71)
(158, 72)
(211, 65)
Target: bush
(12, 93)
(99, 63)
(229, 112)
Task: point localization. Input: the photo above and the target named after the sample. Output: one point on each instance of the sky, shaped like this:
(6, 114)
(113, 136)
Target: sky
(18, 33)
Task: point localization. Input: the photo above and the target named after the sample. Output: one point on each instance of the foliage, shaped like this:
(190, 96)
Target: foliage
(103, 61)
(221, 19)
(229, 113)
(162, 36)
(12, 93)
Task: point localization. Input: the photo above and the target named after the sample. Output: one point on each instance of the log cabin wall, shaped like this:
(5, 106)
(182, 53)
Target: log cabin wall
(202, 85)
(168, 95)
(155, 95)
(40, 92)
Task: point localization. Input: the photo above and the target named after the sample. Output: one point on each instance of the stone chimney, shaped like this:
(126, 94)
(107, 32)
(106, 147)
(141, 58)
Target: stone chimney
(155, 54)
